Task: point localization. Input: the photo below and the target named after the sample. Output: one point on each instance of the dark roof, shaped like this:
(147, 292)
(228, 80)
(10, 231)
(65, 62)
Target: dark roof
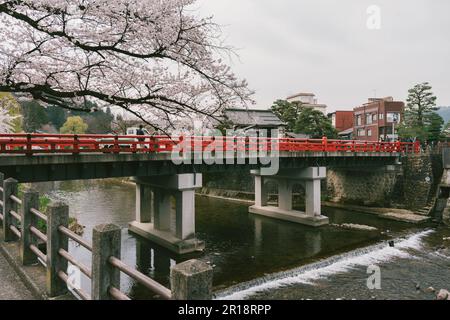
(252, 117)
(346, 132)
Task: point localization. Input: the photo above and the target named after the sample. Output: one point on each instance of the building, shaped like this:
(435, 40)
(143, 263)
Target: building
(341, 120)
(307, 100)
(378, 119)
(246, 119)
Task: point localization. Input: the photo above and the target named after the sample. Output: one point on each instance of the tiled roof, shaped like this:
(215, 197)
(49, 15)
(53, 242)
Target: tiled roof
(249, 117)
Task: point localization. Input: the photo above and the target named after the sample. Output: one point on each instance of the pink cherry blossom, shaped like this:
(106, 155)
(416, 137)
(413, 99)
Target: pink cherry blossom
(154, 58)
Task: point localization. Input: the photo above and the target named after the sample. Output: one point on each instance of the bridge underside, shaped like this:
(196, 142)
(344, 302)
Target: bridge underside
(43, 168)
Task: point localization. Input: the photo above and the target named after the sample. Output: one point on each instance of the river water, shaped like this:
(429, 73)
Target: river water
(260, 258)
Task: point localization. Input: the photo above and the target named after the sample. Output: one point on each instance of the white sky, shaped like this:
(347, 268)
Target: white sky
(325, 47)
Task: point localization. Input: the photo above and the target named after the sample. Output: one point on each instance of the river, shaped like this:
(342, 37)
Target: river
(260, 258)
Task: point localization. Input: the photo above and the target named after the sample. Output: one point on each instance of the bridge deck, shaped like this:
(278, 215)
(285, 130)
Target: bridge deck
(37, 157)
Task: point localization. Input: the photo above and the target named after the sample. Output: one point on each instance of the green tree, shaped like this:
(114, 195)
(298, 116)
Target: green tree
(406, 132)
(74, 125)
(420, 120)
(315, 124)
(421, 103)
(8, 102)
(288, 113)
(34, 116)
(433, 126)
(56, 116)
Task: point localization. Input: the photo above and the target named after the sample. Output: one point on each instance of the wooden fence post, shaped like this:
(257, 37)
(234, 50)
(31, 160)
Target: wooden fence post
(191, 280)
(30, 201)
(9, 188)
(57, 215)
(105, 244)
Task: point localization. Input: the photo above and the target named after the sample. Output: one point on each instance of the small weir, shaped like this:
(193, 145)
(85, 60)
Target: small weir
(308, 274)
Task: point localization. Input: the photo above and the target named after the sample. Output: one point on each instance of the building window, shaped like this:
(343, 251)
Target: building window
(368, 119)
(374, 117)
(381, 116)
(360, 132)
(358, 120)
(369, 132)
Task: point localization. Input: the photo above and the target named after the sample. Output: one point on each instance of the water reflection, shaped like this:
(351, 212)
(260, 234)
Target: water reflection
(239, 246)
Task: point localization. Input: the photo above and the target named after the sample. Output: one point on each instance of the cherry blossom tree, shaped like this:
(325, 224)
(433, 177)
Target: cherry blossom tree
(154, 58)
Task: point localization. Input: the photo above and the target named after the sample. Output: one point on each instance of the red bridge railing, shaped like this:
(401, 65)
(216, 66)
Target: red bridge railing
(30, 144)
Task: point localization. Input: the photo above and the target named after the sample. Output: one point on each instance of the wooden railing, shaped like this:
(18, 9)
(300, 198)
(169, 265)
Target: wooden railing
(30, 144)
(50, 247)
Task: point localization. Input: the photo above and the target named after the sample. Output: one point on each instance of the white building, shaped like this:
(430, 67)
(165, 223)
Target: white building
(308, 100)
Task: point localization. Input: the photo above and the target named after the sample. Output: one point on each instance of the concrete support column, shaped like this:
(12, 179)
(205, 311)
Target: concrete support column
(163, 206)
(312, 198)
(143, 204)
(260, 192)
(284, 194)
(180, 236)
(185, 214)
(308, 177)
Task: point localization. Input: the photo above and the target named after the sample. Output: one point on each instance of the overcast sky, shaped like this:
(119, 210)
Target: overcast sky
(325, 47)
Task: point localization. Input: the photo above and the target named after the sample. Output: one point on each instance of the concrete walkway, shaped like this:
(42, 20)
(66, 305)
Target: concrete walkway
(11, 287)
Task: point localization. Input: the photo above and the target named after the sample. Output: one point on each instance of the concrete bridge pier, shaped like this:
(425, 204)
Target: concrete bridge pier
(165, 211)
(310, 178)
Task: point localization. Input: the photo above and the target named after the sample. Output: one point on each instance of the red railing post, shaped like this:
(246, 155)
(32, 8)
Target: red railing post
(417, 146)
(325, 144)
(116, 144)
(76, 147)
(29, 146)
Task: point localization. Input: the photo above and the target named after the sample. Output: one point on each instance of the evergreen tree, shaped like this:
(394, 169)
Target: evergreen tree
(287, 112)
(421, 103)
(420, 120)
(314, 123)
(56, 116)
(34, 116)
(434, 126)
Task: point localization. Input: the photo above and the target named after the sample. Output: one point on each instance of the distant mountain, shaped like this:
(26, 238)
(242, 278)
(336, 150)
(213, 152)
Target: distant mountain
(444, 112)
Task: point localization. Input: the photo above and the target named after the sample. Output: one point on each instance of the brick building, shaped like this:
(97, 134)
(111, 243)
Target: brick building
(341, 120)
(377, 119)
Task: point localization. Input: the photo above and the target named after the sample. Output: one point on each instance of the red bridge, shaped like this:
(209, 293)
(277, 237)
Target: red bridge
(30, 144)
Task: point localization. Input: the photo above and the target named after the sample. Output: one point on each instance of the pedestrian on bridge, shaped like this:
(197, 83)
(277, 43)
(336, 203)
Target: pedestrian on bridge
(140, 132)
